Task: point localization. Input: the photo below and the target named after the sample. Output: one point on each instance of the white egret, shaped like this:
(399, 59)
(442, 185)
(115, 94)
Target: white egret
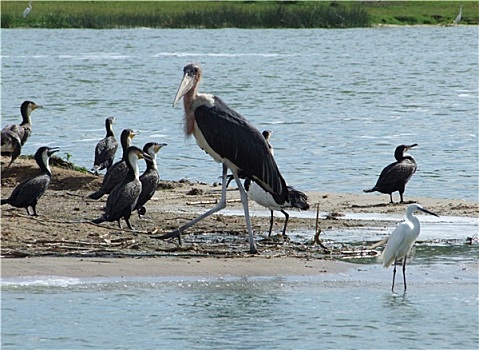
(459, 17)
(402, 239)
(27, 11)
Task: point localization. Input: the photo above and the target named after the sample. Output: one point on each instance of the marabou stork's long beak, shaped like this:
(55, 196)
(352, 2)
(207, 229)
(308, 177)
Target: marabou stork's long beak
(186, 85)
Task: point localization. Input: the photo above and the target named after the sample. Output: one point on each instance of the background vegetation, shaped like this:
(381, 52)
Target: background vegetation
(238, 14)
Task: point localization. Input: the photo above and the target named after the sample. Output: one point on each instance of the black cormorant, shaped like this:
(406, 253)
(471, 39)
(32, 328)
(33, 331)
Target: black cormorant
(122, 200)
(105, 149)
(395, 176)
(150, 177)
(231, 140)
(28, 192)
(116, 173)
(14, 136)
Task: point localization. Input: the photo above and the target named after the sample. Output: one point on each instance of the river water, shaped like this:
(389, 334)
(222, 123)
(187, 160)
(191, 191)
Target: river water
(339, 102)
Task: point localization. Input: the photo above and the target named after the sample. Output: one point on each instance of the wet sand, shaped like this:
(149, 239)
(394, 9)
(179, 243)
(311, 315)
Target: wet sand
(168, 267)
(62, 241)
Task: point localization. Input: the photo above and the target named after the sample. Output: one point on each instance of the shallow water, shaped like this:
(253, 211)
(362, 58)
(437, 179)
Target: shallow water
(337, 311)
(338, 101)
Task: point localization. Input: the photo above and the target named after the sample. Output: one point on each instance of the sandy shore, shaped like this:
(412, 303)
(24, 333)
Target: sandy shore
(168, 267)
(62, 240)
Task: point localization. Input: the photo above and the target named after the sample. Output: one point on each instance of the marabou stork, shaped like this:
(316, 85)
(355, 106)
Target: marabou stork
(231, 140)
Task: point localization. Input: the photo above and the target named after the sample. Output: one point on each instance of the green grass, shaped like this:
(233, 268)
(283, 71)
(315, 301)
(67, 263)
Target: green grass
(222, 14)
(422, 12)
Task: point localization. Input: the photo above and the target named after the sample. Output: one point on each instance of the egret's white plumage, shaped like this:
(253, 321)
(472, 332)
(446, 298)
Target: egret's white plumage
(27, 11)
(402, 239)
(459, 17)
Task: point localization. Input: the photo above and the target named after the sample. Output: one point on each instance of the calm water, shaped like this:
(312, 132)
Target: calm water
(348, 311)
(338, 101)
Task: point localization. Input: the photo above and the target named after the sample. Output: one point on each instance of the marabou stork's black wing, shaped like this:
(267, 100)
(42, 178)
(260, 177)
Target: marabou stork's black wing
(231, 136)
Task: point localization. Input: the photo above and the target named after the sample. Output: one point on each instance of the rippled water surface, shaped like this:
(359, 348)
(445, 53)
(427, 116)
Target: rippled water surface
(338, 101)
(241, 313)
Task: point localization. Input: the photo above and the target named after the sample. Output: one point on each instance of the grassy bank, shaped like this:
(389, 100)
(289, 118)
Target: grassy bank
(222, 14)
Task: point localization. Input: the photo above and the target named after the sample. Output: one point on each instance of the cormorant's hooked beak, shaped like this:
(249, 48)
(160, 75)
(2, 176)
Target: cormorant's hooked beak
(35, 106)
(410, 146)
(160, 146)
(52, 150)
(428, 212)
(187, 83)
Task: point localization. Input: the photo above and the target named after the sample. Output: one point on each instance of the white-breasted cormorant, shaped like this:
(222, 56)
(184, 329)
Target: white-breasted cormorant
(105, 149)
(116, 173)
(296, 199)
(122, 200)
(231, 140)
(28, 192)
(402, 239)
(150, 177)
(14, 136)
(395, 176)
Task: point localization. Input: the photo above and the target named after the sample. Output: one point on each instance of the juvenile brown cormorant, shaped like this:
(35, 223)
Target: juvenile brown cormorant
(14, 136)
(231, 140)
(296, 199)
(105, 149)
(395, 176)
(150, 177)
(28, 192)
(122, 200)
(116, 173)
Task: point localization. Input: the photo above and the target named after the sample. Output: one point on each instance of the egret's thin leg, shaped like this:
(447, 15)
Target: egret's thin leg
(404, 271)
(394, 274)
(244, 201)
(221, 205)
(271, 220)
(286, 215)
